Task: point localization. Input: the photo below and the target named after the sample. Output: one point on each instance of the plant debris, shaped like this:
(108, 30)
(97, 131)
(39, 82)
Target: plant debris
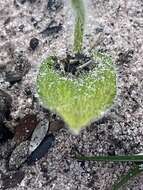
(52, 29)
(38, 135)
(75, 64)
(42, 149)
(25, 128)
(19, 156)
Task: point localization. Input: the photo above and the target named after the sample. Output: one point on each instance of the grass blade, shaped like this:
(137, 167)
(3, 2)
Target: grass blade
(132, 158)
(125, 178)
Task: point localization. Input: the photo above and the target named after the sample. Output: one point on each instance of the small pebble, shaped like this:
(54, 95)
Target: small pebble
(34, 42)
(21, 27)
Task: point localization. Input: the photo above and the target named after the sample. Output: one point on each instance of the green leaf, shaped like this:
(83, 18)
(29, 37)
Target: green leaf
(78, 100)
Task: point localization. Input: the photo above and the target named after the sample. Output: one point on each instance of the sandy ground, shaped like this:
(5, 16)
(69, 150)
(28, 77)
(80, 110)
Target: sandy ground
(113, 26)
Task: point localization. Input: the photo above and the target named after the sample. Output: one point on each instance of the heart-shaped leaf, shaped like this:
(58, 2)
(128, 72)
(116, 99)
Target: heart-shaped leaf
(78, 100)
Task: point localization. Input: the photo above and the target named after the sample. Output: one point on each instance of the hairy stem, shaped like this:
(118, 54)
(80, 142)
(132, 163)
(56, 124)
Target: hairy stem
(79, 8)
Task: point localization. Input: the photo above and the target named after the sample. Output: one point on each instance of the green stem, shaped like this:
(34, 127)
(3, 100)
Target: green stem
(79, 8)
(132, 158)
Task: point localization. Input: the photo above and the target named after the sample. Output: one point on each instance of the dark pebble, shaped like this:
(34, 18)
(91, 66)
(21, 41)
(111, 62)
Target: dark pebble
(54, 5)
(42, 149)
(5, 105)
(25, 128)
(34, 42)
(111, 150)
(35, 24)
(99, 29)
(21, 27)
(52, 29)
(33, 19)
(110, 127)
(5, 133)
(11, 180)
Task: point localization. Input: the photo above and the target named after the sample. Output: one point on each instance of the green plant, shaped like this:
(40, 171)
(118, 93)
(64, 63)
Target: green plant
(78, 99)
(83, 97)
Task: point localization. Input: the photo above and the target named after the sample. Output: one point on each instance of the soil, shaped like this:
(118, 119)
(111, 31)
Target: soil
(32, 30)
